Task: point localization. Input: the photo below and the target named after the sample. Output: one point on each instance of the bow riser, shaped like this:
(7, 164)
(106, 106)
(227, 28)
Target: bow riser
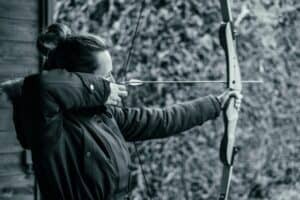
(233, 69)
(233, 83)
(231, 113)
(227, 38)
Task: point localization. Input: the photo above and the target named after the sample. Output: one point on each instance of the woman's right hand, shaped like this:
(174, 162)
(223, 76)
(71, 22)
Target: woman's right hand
(117, 92)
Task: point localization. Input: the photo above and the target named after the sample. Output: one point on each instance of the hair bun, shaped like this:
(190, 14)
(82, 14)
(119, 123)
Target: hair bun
(48, 40)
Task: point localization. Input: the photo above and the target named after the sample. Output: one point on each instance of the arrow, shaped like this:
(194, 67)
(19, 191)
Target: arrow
(136, 82)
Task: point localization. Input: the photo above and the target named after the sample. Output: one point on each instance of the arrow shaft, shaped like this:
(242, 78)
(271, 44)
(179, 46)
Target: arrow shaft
(183, 82)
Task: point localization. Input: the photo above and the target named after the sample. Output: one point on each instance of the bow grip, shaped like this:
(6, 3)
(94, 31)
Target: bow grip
(230, 117)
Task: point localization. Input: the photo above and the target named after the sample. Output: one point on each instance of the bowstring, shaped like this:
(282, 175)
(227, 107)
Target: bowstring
(126, 63)
(125, 70)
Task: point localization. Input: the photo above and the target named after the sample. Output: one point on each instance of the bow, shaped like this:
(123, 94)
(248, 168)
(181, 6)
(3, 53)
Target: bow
(227, 148)
(234, 83)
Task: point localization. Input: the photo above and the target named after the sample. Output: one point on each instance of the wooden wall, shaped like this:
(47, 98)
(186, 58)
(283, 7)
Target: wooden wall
(20, 23)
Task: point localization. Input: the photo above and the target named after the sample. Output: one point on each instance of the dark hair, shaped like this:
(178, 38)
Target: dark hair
(74, 53)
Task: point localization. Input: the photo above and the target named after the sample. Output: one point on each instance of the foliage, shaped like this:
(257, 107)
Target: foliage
(178, 40)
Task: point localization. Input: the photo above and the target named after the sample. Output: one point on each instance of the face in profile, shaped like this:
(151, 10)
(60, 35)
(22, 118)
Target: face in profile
(104, 63)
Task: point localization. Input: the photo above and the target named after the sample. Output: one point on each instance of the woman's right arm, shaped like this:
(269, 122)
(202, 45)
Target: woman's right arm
(45, 96)
(72, 90)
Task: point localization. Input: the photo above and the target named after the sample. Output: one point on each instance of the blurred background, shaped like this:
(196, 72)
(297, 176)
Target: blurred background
(178, 40)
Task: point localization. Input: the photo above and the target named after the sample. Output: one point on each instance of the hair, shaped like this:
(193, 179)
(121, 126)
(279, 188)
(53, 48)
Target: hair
(75, 53)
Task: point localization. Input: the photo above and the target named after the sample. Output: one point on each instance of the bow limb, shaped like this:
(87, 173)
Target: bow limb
(231, 113)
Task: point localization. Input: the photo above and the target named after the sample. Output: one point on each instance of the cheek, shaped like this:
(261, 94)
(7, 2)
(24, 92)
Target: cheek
(98, 72)
(104, 63)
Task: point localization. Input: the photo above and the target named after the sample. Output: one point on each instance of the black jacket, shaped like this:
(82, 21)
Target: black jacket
(79, 145)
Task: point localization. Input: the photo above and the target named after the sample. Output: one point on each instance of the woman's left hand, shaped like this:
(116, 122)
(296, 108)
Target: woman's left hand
(225, 96)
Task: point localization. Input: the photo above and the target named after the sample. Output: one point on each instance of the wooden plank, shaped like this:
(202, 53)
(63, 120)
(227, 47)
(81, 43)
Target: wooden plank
(11, 71)
(6, 120)
(11, 164)
(19, 9)
(6, 113)
(9, 126)
(18, 52)
(15, 63)
(20, 180)
(19, 48)
(5, 103)
(6, 124)
(8, 139)
(11, 149)
(17, 30)
(14, 196)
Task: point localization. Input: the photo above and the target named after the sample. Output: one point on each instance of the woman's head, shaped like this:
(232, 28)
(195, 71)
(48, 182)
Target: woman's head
(76, 53)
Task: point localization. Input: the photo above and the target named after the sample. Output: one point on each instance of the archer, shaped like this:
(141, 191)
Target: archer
(69, 116)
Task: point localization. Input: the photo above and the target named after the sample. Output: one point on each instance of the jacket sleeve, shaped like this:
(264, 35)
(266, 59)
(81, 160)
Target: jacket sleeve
(72, 90)
(13, 90)
(150, 123)
(47, 95)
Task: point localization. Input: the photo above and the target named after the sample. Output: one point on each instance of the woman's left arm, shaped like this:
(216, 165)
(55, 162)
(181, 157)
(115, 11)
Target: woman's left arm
(12, 88)
(150, 123)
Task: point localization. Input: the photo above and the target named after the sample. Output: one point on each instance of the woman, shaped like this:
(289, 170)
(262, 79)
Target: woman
(70, 120)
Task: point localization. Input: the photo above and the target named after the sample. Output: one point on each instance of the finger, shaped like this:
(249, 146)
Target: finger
(123, 94)
(237, 105)
(114, 100)
(111, 102)
(235, 94)
(122, 87)
(239, 96)
(238, 101)
(114, 103)
(117, 99)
